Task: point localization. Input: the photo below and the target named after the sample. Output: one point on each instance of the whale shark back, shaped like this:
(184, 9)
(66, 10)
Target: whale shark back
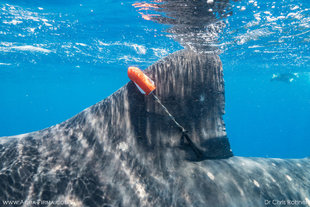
(125, 150)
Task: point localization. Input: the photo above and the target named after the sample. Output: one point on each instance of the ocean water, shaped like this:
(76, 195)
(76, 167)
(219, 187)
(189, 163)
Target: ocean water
(60, 57)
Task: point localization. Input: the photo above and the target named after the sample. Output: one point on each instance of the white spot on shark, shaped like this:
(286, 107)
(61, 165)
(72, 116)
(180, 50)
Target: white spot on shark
(90, 154)
(140, 190)
(307, 201)
(256, 183)
(288, 177)
(84, 143)
(202, 98)
(210, 175)
(273, 180)
(123, 146)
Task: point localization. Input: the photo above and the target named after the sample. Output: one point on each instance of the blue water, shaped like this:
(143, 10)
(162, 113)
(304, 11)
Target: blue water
(60, 57)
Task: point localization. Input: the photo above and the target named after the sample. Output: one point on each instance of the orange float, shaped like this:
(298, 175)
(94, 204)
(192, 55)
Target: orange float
(144, 83)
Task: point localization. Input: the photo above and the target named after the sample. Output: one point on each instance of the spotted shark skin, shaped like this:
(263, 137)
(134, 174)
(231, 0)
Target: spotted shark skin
(125, 151)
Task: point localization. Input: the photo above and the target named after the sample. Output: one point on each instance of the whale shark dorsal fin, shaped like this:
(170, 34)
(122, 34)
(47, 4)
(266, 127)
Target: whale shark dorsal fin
(182, 79)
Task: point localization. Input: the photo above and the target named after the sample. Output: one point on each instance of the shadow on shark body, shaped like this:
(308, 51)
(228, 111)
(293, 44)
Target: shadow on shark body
(125, 151)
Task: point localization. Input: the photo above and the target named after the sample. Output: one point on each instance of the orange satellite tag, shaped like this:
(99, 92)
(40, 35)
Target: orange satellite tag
(144, 83)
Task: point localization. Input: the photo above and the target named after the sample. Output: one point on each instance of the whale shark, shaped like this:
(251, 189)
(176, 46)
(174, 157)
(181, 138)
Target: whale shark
(126, 151)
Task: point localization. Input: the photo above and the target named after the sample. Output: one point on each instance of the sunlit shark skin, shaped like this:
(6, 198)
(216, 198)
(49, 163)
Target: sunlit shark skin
(125, 151)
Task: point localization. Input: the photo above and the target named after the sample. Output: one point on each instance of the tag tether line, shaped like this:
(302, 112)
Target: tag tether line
(183, 130)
